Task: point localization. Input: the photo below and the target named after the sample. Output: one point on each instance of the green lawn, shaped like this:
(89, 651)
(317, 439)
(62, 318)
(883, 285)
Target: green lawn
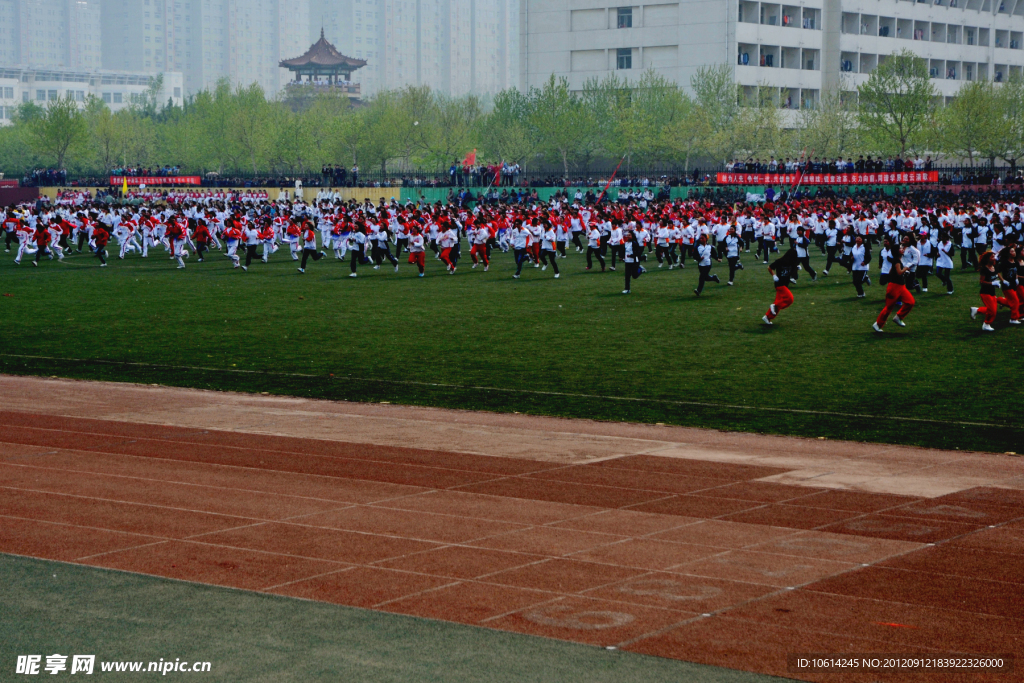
(573, 347)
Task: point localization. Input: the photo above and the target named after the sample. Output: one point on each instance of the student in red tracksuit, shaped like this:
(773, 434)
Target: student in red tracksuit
(1010, 272)
(990, 283)
(417, 254)
(42, 238)
(100, 238)
(782, 270)
(897, 297)
(201, 236)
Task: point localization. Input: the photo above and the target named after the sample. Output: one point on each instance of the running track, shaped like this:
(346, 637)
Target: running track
(692, 559)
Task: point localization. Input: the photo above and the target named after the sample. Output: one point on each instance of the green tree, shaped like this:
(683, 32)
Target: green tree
(1010, 132)
(57, 130)
(560, 121)
(716, 106)
(506, 129)
(829, 129)
(968, 127)
(896, 103)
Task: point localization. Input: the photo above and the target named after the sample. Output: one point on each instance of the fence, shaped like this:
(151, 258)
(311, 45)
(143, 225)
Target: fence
(595, 179)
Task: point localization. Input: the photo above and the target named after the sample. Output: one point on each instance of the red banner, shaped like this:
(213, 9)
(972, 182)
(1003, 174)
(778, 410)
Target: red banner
(177, 181)
(9, 183)
(882, 178)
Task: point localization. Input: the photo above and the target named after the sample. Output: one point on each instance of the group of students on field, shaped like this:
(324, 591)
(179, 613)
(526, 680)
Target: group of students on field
(912, 242)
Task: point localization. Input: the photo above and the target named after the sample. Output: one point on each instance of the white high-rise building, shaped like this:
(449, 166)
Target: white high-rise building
(454, 46)
(801, 47)
(50, 33)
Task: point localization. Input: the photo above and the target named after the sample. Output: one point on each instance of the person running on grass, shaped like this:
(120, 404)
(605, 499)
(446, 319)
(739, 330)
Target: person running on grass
(783, 272)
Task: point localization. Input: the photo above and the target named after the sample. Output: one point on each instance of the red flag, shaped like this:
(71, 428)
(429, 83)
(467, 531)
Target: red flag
(470, 159)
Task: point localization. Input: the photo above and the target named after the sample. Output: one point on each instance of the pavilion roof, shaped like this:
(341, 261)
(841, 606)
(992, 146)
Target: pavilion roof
(323, 54)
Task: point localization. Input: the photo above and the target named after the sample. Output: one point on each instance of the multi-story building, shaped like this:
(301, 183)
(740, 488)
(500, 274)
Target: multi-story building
(454, 46)
(118, 90)
(50, 33)
(798, 48)
(207, 40)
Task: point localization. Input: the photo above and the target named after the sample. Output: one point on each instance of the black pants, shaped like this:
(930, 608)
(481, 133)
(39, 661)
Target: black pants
(10, 237)
(82, 237)
(705, 276)
(41, 252)
(922, 274)
(356, 256)
(769, 247)
(858, 280)
(561, 248)
(576, 241)
(250, 253)
(403, 243)
(200, 248)
(632, 272)
(966, 257)
(551, 256)
(943, 275)
(805, 261)
(306, 253)
(734, 265)
(832, 258)
(521, 257)
(594, 251)
(661, 253)
(380, 253)
(101, 253)
(618, 250)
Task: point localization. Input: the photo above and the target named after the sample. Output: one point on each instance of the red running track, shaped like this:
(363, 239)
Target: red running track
(678, 558)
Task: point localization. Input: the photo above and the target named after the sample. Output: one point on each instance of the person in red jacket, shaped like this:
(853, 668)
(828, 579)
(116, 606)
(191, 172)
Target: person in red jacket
(782, 271)
(100, 237)
(42, 238)
(202, 238)
(897, 297)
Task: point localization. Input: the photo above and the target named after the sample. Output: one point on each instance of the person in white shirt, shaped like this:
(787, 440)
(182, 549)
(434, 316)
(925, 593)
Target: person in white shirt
(731, 244)
(944, 260)
(924, 260)
(549, 248)
(705, 252)
(594, 247)
(417, 249)
(860, 265)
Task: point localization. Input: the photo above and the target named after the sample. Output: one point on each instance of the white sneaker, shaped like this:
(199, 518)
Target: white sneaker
(474, 266)
(729, 283)
(543, 268)
(774, 312)
(1015, 322)
(245, 268)
(766, 320)
(896, 319)
(180, 267)
(876, 328)
(421, 274)
(515, 277)
(987, 328)
(974, 312)
(485, 268)
(300, 270)
(625, 291)
(925, 290)
(353, 275)
(376, 267)
(556, 275)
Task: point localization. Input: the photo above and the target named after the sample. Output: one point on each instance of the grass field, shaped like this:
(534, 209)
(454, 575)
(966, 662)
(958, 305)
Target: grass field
(571, 347)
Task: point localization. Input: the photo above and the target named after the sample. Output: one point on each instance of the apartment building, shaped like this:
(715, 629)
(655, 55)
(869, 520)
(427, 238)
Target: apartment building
(118, 89)
(799, 48)
(50, 33)
(454, 46)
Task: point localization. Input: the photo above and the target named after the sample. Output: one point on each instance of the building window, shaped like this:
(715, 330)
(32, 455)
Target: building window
(118, 98)
(106, 97)
(9, 93)
(625, 17)
(40, 95)
(177, 93)
(624, 58)
(52, 95)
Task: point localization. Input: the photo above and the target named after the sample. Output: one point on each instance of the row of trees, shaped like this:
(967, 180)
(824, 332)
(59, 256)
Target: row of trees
(896, 111)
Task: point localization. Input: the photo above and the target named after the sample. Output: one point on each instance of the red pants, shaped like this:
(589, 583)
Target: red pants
(481, 250)
(897, 298)
(1013, 301)
(783, 300)
(991, 307)
(419, 258)
(535, 252)
(446, 256)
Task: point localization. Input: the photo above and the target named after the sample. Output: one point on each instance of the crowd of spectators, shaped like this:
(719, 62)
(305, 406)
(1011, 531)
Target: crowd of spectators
(863, 164)
(135, 172)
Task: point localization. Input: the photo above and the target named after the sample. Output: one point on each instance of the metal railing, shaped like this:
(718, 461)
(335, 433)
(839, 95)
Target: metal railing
(704, 176)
